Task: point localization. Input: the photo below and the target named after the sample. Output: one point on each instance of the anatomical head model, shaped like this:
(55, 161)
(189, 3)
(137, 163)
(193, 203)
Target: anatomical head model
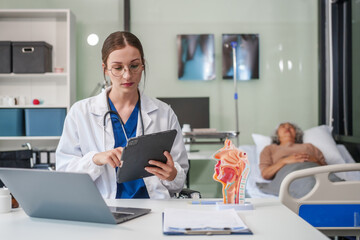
(232, 171)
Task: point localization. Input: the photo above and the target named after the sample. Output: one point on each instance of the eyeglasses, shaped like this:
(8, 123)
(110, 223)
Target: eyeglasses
(119, 70)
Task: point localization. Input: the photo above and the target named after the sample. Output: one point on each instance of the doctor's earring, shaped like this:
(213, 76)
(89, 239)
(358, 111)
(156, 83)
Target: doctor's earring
(107, 82)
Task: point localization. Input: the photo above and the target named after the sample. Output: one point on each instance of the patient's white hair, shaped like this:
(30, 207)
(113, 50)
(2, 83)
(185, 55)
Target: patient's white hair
(298, 134)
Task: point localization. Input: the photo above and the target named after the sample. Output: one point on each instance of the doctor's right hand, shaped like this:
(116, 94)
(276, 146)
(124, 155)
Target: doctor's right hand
(111, 157)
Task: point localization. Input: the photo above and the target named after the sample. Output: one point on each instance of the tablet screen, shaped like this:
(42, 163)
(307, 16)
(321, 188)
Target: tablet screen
(140, 150)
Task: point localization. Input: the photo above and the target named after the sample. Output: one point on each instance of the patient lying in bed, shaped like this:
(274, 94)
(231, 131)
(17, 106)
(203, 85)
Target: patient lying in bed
(286, 154)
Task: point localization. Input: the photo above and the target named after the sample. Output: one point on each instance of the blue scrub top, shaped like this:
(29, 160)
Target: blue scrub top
(135, 188)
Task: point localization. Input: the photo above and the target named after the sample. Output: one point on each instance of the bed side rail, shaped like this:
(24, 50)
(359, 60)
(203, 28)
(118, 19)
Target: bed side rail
(324, 191)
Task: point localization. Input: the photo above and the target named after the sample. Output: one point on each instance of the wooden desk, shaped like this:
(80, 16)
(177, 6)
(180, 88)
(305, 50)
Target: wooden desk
(269, 220)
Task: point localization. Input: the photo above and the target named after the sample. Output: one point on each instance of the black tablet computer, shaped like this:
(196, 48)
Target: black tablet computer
(139, 150)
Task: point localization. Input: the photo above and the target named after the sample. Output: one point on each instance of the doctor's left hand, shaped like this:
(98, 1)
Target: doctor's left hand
(164, 171)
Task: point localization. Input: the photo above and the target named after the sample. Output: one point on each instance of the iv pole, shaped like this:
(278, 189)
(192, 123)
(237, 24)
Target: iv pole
(97, 88)
(234, 45)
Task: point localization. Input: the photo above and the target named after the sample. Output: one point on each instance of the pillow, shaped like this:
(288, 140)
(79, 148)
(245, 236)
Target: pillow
(261, 142)
(319, 136)
(348, 176)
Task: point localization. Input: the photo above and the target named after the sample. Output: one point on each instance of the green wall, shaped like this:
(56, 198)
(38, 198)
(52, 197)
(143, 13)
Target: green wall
(288, 35)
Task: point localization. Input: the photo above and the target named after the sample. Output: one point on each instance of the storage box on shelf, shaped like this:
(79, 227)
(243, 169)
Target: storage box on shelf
(11, 122)
(56, 28)
(44, 122)
(5, 57)
(31, 57)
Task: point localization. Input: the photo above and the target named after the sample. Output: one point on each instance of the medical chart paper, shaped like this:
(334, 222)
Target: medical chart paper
(209, 222)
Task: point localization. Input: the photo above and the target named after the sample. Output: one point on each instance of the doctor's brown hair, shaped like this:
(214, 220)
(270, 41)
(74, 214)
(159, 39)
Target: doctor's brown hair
(118, 40)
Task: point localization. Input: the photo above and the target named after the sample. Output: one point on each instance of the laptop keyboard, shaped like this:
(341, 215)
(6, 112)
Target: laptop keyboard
(121, 215)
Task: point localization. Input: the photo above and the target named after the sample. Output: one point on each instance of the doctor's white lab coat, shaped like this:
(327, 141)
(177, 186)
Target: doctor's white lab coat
(82, 138)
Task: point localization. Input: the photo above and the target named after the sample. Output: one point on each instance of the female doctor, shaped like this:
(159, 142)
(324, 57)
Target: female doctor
(96, 129)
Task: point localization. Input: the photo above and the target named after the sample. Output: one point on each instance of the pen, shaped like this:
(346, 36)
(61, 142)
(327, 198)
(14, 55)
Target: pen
(205, 202)
(208, 232)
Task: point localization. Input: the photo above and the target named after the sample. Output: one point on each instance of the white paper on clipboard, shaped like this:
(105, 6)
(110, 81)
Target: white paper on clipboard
(183, 220)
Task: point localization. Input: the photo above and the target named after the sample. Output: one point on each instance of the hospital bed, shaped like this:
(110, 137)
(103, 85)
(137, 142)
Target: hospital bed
(326, 196)
(255, 176)
(319, 136)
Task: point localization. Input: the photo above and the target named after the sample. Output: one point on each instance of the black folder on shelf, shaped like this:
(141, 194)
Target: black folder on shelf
(15, 159)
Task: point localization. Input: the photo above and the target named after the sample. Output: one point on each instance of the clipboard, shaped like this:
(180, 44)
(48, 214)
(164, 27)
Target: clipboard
(139, 150)
(203, 231)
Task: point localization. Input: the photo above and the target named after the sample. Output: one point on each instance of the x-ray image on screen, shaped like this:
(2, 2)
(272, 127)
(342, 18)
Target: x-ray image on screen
(247, 56)
(196, 57)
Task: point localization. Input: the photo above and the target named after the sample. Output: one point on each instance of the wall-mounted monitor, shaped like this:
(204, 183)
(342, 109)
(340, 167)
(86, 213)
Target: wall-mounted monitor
(190, 110)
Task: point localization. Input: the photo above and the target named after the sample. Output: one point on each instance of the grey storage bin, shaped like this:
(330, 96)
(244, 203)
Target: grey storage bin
(31, 57)
(5, 57)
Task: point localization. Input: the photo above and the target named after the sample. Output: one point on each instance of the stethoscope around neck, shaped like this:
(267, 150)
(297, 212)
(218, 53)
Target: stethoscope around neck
(119, 118)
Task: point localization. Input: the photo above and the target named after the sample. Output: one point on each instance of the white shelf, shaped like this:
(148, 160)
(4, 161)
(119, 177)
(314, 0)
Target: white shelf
(35, 13)
(57, 90)
(26, 138)
(40, 76)
(34, 106)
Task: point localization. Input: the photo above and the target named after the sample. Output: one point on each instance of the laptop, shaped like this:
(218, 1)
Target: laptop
(63, 195)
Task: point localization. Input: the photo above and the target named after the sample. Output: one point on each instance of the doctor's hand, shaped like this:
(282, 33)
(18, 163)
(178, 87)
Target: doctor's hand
(111, 157)
(164, 171)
